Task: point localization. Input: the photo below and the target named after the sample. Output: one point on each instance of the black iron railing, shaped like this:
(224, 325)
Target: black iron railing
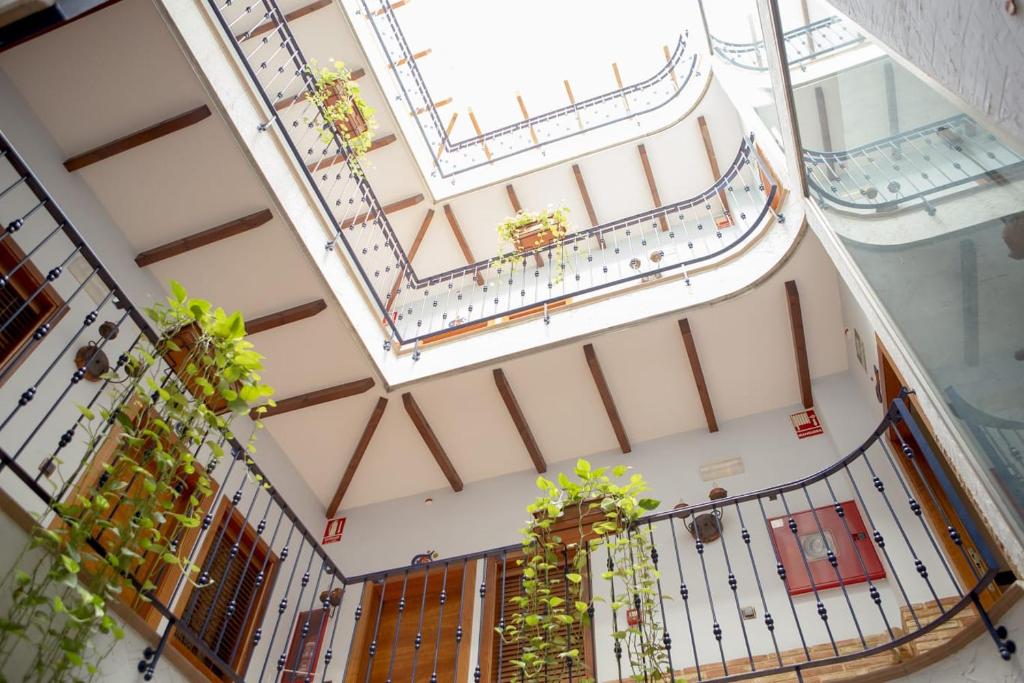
(804, 44)
(913, 168)
(418, 307)
(452, 157)
(851, 562)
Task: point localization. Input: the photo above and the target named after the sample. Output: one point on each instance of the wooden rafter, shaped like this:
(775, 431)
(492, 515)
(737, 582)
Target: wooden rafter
(432, 442)
(416, 55)
(138, 138)
(387, 209)
(411, 254)
(618, 82)
(447, 132)
(314, 398)
(698, 375)
(285, 317)
(709, 150)
(796, 322)
(572, 101)
(392, 6)
(479, 132)
(525, 433)
(201, 239)
(606, 397)
(467, 253)
(382, 141)
(262, 28)
(591, 214)
(513, 198)
(651, 185)
(357, 456)
(668, 58)
(436, 105)
(526, 117)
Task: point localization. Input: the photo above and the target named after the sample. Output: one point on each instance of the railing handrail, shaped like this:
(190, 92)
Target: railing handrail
(730, 51)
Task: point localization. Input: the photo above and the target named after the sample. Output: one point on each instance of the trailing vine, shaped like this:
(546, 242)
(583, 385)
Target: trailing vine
(337, 95)
(62, 583)
(544, 622)
(552, 225)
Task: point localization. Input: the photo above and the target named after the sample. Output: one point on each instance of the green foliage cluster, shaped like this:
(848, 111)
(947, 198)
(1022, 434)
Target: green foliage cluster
(544, 623)
(553, 222)
(62, 583)
(337, 95)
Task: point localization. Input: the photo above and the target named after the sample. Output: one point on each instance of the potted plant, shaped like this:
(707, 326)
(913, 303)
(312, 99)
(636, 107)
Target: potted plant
(344, 110)
(532, 231)
(606, 517)
(121, 524)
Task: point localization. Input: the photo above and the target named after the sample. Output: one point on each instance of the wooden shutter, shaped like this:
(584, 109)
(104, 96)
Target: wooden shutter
(21, 316)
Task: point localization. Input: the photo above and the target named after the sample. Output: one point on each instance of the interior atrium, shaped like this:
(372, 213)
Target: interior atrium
(438, 340)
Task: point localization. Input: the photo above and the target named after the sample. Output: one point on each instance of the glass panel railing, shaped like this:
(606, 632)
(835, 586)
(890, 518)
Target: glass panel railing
(929, 203)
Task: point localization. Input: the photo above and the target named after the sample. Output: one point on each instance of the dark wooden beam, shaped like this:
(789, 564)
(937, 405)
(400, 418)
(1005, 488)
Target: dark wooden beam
(513, 198)
(420, 234)
(315, 398)
(201, 239)
(357, 456)
(606, 397)
(416, 55)
(382, 141)
(525, 433)
(288, 315)
(430, 439)
(796, 323)
(356, 74)
(260, 29)
(389, 208)
(709, 150)
(138, 138)
(591, 214)
(651, 185)
(467, 253)
(698, 375)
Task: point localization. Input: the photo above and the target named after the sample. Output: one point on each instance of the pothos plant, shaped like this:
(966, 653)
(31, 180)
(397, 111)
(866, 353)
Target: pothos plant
(63, 582)
(528, 230)
(545, 624)
(337, 96)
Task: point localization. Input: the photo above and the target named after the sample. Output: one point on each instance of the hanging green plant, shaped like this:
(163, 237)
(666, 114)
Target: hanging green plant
(533, 231)
(345, 111)
(114, 534)
(606, 514)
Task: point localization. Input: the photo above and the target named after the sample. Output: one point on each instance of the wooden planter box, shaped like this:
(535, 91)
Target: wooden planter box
(186, 339)
(353, 124)
(532, 236)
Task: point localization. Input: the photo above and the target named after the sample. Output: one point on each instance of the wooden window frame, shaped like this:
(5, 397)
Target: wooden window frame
(26, 281)
(240, 664)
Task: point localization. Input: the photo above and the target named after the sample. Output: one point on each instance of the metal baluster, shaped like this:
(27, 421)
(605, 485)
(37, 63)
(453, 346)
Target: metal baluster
(769, 621)
(822, 610)
(357, 615)
(716, 629)
(500, 596)
(376, 626)
(780, 569)
(666, 638)
(458, 628)
(261, 576)
(733, 586)
(617, 647)
(443, 598)
(398, 625)
(283, 605)
(419, 625)
(282, 660)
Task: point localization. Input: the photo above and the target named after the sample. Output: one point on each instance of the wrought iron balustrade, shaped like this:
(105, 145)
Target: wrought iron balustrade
(850, 563)
(913, 168)
(452, 157)
(803, 45)
(420, 307)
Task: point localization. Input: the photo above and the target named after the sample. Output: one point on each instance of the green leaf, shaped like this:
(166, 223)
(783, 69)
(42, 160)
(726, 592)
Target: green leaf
(178, 291)
(532, 620)
(58, 605)
(70, 564)
(575, 578)
(581, 606)
(619, 470)
(649, 504)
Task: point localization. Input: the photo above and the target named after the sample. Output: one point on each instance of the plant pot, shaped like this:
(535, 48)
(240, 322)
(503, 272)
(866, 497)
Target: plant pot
(353, 125)
(186, 339)
(532, 236)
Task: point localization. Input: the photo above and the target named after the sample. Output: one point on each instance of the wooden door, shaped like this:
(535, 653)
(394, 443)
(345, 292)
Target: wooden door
(922, 478)
(395, 631)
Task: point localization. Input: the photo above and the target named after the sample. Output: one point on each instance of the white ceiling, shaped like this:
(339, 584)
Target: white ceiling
(75, 78)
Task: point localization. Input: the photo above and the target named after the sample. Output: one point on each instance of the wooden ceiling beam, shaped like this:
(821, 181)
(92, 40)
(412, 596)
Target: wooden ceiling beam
(357, 456)
(315, 398)
(382, 141)
(430, 439)
(391, 6)
(285, 317)
(416, 55)
(668, 58)
(436, 105)
(651, 185)
(479, 133)
(526, 117)
(203, 238)
(589, 205)
(525, 433)
(266, 26)
(698, 375)
(606, 397)
(513, 198)
(709, 150)
(138, 138)
(467, 253)
(411, 254)
(387, 209)
(447, 132)
(796, 323)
